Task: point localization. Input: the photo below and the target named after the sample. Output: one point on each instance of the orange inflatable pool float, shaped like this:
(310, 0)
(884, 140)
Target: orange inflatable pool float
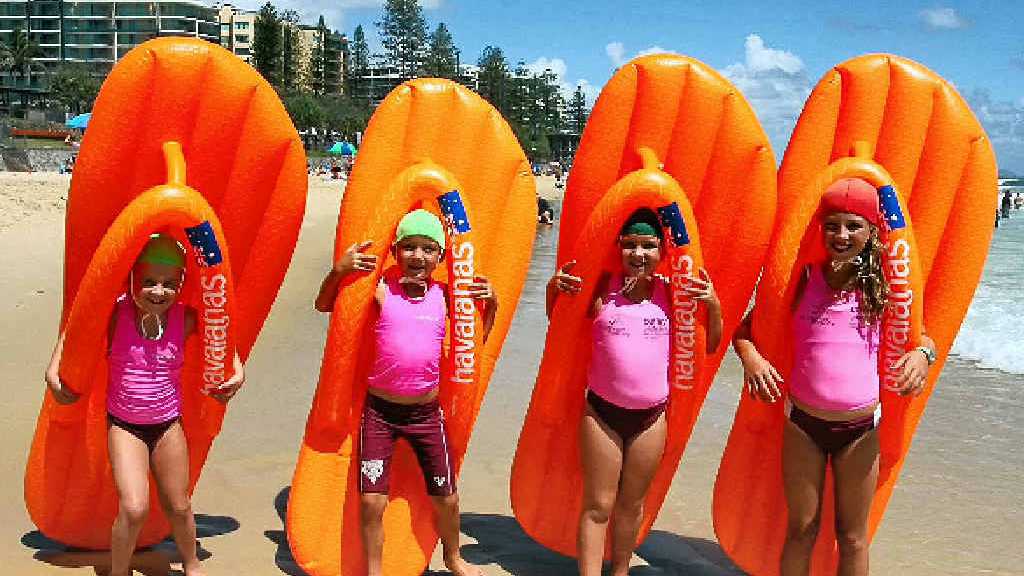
(666, 128)
(236, 175)
(432, 144)
(905, 130)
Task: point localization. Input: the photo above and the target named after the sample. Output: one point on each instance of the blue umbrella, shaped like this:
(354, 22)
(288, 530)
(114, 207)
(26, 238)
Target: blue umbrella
(80, 121)
(342, 148)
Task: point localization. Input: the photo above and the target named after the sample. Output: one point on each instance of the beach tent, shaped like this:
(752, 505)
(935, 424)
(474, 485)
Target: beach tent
(80, 121)
(343, 149)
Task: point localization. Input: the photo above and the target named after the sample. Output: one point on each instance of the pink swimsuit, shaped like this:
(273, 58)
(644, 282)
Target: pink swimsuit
(835, 360)
(144, 380)
(409, 335)
(629, 362)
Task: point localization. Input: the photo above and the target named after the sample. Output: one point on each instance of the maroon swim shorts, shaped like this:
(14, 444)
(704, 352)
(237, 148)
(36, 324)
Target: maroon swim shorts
(422, 425)
(628, 423)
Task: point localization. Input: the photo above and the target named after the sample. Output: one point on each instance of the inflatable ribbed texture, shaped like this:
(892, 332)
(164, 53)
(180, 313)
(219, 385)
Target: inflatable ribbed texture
(243, 156)
(894, 123)
(429, 137)
(714, 152)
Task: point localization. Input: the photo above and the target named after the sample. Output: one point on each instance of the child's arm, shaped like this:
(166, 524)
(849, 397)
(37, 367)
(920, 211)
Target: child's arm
(230, 387)
(703, 290)
(351, 261)
(914, 365)
(61, 393)
(562, 281)
(482, 290)
(760, 378)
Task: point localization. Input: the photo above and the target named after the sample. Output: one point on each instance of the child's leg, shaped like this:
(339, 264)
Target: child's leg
(446, 509)
(129, 461)
(803, 477)
(601, 458)
(855, 470)
(641, 460)
(371, 518)
(170, 468)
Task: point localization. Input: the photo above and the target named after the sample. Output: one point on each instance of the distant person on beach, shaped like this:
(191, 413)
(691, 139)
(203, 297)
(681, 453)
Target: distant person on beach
(833, 403)
(545, 213)
(147, 333)
(1007, 204)
(623, 430)
(403, 384)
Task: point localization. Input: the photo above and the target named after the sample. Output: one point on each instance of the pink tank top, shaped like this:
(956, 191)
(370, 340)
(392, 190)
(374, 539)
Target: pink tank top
(144, 384)
(835, 359)
(629, 359)
(409, 335)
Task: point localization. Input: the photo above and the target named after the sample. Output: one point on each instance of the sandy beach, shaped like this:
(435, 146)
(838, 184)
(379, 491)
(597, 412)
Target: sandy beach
(951, 513)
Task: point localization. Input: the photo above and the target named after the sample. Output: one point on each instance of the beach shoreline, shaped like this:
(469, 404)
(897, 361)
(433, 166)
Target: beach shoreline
(949, 514)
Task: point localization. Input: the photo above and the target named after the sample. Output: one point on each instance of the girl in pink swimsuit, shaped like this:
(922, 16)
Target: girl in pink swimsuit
(147, 332)
(833, 404)
(623, 431)
(402, 387)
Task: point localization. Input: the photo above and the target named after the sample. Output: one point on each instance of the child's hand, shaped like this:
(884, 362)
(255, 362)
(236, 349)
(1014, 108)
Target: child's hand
(230, 387)
(481, 289)
(565, 282)
(703, 290)
(913, 368)
(355, 260)
(761, 379)
(61, 393)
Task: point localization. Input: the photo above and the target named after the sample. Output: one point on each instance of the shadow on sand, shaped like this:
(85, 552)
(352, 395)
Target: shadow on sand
(501, 541)
(283, 556)
(154, 560)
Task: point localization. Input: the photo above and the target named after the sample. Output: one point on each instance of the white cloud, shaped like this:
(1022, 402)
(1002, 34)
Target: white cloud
(943, 18)
(1003, 121)
(652, 50)
(616, 52)
(560, 70)
(776, 85)
(540, 65)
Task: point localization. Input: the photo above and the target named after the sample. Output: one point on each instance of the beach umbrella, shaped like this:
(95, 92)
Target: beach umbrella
(342, 148)
(80, 121)
(336, 148)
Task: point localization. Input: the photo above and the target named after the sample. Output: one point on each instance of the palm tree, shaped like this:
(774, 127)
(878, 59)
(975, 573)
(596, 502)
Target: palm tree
(23, 52)
(6, 57)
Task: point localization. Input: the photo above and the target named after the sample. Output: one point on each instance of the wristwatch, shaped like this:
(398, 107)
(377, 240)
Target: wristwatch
(929, 354)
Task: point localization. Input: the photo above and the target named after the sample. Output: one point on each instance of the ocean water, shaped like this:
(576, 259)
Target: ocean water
(993, 331)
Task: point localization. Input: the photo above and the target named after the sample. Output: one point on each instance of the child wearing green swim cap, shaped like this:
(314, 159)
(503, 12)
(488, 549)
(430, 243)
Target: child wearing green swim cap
(402, 386)
(147, 331)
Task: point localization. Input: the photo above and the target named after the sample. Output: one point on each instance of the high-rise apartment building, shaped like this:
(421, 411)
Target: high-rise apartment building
(237, 28)
(97, 33)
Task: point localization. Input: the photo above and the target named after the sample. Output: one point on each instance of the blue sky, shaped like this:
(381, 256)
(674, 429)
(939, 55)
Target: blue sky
(774, 51)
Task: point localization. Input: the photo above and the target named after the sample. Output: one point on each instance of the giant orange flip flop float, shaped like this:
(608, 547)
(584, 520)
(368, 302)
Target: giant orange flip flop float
(666, 131)
(185, 137)
(437, 145)
(904, 129)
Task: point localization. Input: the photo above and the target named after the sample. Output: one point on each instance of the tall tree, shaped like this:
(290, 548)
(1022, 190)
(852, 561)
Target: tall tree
(493, 78)
(360, 65)
(266, 44)
(23, 52)
(73, 86)
(403, 33)
(442, 58)
(577, 112)
(317, 59)
(293, 70)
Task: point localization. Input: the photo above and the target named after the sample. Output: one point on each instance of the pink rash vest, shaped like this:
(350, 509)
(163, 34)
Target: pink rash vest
(835, 350)
(409, 335)
(629, 362)
(144, 376)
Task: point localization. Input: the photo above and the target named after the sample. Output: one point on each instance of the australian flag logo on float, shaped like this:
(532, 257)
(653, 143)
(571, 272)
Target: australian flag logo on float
(672, 218)
(890, 205)
(454, 212)
(204, 241)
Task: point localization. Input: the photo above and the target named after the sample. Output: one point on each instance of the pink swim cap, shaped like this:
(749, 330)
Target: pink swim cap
(853, 196)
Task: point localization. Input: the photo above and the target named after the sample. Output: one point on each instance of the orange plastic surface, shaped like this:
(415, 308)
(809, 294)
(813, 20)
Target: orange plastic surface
(427, 138)
(717, 159)
(891, 121)
(244, 158)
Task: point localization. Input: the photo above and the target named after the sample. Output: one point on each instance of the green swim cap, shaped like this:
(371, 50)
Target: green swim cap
(420, 223)
(162, 249)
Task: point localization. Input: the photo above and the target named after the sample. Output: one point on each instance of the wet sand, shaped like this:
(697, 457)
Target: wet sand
(953, 511)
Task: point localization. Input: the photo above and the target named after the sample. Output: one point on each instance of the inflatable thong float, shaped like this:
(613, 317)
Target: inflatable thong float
(670, 134)
(168, 105)
(432, 144)
(905, 130)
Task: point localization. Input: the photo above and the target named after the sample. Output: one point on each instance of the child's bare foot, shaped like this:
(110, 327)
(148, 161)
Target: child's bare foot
(460, 567)
(193, 570)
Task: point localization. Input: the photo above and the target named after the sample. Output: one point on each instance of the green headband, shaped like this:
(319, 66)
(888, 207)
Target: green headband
(162, 249)
(420, 223)
(640, 229)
